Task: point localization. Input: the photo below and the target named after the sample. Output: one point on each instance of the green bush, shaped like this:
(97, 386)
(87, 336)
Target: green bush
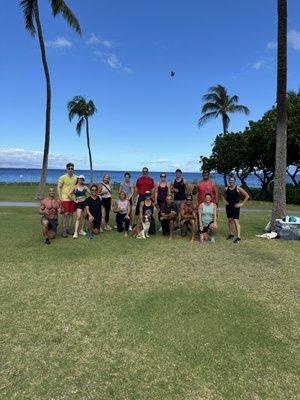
(292, 194)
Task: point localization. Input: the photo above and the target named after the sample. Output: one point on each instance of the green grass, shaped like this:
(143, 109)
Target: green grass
(117, 318)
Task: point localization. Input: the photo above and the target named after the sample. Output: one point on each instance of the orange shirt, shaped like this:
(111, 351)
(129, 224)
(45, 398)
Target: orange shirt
(207, 187)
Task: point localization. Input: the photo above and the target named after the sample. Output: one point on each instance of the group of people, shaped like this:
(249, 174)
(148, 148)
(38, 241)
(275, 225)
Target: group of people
(174, 203)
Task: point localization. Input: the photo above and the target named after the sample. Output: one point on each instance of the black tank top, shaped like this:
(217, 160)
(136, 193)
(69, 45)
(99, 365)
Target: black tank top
(180, 195)
(232, 196)
(162, 192)
(148, 210)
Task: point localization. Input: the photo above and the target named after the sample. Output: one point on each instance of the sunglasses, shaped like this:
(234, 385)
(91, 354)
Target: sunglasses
(70, 169)
(163, 176)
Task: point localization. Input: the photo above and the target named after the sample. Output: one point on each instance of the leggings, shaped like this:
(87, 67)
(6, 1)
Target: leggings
(107, 206)
(120, 219)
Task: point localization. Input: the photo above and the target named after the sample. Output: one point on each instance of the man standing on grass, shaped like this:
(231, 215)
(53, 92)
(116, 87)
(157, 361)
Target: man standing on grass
(143, 184)
(49, 209)
(206, 186)
(65, 184)
(167, 215)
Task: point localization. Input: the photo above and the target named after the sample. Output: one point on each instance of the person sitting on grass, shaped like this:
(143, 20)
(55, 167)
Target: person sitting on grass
(188, 217)
(79, 192)
(147, 207)
(233, 203)
(122, 209)
(207, 214)
(95, 212)
(167, 215)
(49, 209)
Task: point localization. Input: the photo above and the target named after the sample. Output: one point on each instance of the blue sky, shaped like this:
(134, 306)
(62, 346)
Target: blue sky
(122, 62)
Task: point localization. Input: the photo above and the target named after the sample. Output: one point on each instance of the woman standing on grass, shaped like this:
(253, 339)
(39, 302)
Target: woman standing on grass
(79, 191)
(122, 208)
(233, 203)
(127, 187)
(162, 189)
(106, 198)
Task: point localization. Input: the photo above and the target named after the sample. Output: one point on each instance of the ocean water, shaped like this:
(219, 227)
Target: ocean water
(19, 175)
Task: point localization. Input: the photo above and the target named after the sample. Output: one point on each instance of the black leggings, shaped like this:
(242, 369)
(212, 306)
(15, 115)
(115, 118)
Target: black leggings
(107, 206)
(120, 219)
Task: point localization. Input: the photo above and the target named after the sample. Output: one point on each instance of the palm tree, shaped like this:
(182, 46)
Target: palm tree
(33, 26)
(217, 102)
(78, 106)
(279, 192)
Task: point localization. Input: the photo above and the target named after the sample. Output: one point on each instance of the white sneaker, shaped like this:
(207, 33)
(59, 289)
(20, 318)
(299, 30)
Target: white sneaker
(101, 230)
(82, 233)
(160, 229)
(75, 236)
(107, 228)
(130, 227)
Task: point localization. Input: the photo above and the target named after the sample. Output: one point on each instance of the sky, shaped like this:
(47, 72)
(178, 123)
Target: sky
(122, 62)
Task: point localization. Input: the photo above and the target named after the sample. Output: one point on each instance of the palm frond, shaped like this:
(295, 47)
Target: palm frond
(28, 11)
(79, 125)
(211, 97)
(207, 116)
(91, 108)
(60, 7)
(233, 100)
(209, 107)
(238, 108)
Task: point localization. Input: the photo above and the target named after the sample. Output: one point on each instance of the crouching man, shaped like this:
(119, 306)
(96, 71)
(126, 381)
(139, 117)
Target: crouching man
(167, 215)
(49, 209)
(188, 217)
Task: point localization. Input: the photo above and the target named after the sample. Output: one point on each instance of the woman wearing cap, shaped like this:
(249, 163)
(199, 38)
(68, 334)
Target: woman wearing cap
(147, 207)
(127, 187)
(106, 198)
(162, 189)
(79, 192)
(122, 208)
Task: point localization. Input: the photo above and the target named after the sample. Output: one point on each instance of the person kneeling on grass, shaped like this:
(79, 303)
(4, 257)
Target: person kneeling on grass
(233, 203)
(122, 209)
(188, 217)
(49, 209)
(167, 215)
(95, 212)
(207, 213)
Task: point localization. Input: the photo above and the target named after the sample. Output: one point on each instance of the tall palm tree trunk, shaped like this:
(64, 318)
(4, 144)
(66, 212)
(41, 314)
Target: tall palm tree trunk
(89, 148)
(279, 194)
(224, 122)
(43, 177)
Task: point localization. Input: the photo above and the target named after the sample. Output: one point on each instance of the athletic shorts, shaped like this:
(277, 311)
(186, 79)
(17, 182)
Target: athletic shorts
(206, 228)
(80, 205)
(69, 206)
(52, 223)
(232, 212)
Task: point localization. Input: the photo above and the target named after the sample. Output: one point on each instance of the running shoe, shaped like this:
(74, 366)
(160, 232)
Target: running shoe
(89, 235)
(107, 228)
(230, 236)
(64, 233)
(47, 241)
(115, 227)
(82, 233)
(101, 230)
(212, 240)
(130, 227)
(75, 236)
(237, 240)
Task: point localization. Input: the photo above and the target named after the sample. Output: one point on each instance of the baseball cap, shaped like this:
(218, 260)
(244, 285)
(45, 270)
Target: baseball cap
(81, 177)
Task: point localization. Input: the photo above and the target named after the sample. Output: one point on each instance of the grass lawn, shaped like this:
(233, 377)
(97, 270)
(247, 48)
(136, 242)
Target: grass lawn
(117, 318)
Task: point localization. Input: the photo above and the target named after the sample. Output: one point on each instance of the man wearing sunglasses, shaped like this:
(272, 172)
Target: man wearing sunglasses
(65, 184)
(143, 184)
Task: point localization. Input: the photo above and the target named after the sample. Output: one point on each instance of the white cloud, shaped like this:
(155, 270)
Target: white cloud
(111, 59)
(272, 45)
(21, 158)
(293, 37)
(59, 42)
(94, 40)
(258, 64)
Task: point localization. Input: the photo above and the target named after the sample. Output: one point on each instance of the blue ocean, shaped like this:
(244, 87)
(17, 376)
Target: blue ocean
(19, 175)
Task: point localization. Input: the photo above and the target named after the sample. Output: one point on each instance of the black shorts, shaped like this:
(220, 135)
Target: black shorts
(206, 228)
(80, 205)
(52, 223)
(137, 208)
(232, 212)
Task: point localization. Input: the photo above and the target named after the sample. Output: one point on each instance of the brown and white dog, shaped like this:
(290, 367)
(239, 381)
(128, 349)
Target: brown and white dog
(140, 231)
